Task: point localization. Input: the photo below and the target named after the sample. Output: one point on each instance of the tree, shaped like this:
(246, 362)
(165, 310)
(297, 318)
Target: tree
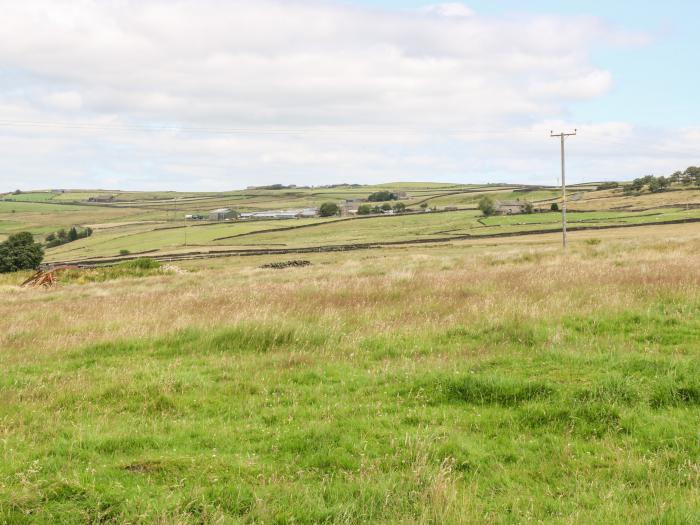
(528, 208)
(382, 196)
(659, 184)
(61, 234)
(51, 237)
(424, 205)
(692, 176)
(328, 209)
(399, 207)
(20, 252)
(637, 185)
(676, 177)
(386, 206)
(364, 209)
(554, 207)
(487, 205)
(72, 234)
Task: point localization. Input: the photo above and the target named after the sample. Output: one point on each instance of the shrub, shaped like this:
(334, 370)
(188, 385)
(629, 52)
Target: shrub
(487, 206)
(554, 207)
(328, 209)
(399, 207)
(142, 263)
(528, 208)
(142, 267)
(20, 252)
(364, 209)
(124, 252)
(608, 186)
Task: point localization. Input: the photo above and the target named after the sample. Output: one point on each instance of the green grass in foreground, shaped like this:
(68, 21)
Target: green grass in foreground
(590, 420)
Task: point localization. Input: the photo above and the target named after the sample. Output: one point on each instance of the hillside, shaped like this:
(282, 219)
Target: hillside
(126, 224)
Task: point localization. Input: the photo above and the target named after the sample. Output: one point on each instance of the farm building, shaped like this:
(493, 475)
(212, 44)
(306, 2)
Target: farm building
(510, 207)
(301, 213)
(221, 214)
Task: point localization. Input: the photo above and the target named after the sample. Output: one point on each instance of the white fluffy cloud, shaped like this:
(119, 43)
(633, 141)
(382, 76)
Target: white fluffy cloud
(349, 77)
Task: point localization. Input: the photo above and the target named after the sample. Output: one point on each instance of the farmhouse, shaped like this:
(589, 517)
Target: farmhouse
(221, 214)
(510, 207)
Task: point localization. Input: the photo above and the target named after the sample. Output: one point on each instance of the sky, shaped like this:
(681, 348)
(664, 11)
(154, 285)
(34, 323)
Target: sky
(213, 95)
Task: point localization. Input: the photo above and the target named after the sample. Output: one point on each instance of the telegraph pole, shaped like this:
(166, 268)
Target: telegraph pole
(563, 136)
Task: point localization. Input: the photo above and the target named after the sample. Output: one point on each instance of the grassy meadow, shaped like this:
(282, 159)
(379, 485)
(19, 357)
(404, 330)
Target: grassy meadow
(492, 381)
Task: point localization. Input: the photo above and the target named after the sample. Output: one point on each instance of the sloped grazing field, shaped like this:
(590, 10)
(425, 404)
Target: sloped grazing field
(139, 222)
(445, 385)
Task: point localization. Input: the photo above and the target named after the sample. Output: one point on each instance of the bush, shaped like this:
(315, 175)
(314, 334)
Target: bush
(364, 209)
(329, 209)
(20, 252)
(528, 208)
(607, 186)
(124, 252)
(399, 207)
(142, 267)
(142, 263)
(554, 207)
(487, 206)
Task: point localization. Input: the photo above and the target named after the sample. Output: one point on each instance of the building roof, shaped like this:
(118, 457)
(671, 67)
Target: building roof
(221, 210)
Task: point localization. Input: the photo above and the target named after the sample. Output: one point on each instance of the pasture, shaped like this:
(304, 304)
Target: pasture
(443, 374)
(497, 382)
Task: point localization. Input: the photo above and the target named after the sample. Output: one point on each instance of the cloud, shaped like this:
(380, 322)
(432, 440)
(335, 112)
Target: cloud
(449, 9)
(377, 91)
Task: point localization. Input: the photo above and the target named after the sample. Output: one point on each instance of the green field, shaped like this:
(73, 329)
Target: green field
(153, 222)
(471, 383)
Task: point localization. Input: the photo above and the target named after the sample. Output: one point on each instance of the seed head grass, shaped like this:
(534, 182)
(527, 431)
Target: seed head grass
(501, 383)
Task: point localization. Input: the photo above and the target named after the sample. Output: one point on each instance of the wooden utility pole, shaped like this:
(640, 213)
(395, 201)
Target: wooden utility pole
(563, 136)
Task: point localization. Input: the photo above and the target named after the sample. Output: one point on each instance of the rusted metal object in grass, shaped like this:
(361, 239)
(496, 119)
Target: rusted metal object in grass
(46, 278)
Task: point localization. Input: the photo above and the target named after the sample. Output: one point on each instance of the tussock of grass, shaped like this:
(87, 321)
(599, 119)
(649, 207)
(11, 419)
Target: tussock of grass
(494, 391)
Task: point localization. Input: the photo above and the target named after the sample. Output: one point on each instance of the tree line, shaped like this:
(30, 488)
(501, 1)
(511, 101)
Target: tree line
(689, 177)
(62, 236)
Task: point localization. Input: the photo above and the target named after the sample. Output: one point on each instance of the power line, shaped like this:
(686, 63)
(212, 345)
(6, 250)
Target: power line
(257, 130)
(563, 136)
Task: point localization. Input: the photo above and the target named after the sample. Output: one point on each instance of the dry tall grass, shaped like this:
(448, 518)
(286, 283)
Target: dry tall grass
(403, 290)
